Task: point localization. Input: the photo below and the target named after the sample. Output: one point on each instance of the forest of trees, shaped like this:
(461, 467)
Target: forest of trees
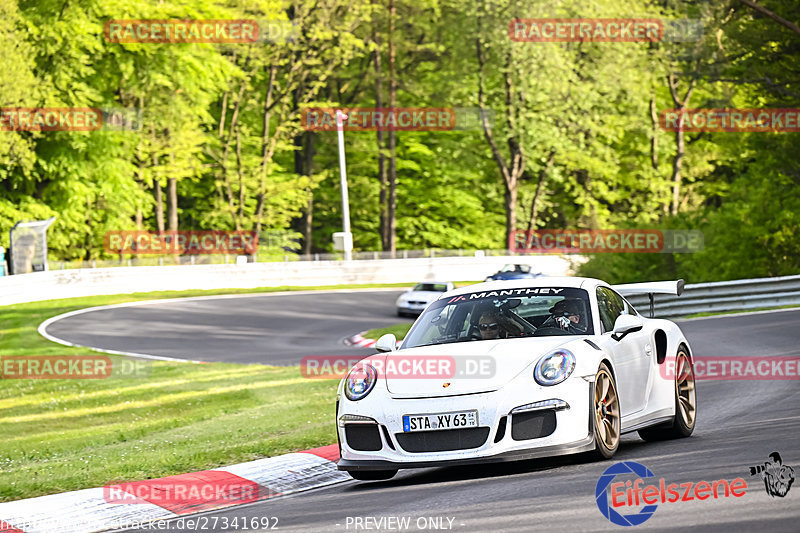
(574, 140)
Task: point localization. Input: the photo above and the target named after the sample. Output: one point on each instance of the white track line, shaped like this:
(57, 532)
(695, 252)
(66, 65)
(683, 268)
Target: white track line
(42, 329)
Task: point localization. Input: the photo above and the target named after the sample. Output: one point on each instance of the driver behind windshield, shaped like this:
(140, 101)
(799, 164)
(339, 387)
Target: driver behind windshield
(489, 326)
(495, 324)
(568, 315)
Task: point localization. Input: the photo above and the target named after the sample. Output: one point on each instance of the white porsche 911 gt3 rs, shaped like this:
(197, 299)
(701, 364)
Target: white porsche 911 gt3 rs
(511, 370)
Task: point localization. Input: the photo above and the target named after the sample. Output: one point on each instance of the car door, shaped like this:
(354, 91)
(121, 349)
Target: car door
(632, 363)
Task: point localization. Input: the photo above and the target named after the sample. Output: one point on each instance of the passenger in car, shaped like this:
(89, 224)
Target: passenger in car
(494, 325)
(568, 315)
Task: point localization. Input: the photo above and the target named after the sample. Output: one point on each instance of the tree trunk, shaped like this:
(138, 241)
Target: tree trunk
(140, 179)
(382, 176)
(266, 154)
(240, 176)
(680, 146)
(172, 203)
(780, 20)
(677, 165)
(308, 223)
(654, 140)
(509, 172)
(392, 207)
(227, 145)
(159, 205)
(535, 201)
(305, 147)
(510, 205)
(88, 242)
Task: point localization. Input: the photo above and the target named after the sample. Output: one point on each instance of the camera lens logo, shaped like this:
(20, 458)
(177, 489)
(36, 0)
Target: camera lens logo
(601, 494)
(778, 477)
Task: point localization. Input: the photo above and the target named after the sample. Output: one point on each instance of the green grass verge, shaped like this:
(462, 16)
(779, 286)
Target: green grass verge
(399, 330)
(61, 435)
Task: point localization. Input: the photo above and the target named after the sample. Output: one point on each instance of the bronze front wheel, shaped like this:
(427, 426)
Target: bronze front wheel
(606, 414)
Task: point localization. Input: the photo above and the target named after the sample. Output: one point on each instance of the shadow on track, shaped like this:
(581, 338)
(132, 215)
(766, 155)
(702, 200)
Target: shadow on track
(429, 476)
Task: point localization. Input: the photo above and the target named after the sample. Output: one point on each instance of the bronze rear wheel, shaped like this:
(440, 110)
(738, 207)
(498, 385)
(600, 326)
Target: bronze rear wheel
(685, 403)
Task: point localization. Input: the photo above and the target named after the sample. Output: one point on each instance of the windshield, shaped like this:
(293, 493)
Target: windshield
(431, 287)
(517, 268)
(510, 313)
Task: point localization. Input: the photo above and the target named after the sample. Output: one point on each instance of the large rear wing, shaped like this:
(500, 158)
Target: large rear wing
(651, 288)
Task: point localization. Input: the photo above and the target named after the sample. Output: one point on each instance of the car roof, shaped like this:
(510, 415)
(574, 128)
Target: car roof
(553, 281)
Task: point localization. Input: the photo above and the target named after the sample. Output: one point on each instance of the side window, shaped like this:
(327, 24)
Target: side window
(629, 309)
(610, 305)
(622, 302)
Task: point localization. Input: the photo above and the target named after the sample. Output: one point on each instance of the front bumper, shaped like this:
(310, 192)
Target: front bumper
(583, 445)
(573, 432)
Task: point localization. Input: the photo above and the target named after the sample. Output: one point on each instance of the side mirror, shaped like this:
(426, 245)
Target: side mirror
(387, 343)
(626, 324)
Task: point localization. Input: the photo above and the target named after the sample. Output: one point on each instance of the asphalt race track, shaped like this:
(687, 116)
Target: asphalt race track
(739, 424)
(277, 329)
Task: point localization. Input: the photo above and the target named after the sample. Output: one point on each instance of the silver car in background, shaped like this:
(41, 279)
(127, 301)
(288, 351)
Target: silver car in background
(414, 301)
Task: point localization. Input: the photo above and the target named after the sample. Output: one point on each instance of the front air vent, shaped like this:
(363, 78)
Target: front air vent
(387, 437)
(533, 424)
(363, 437)
(443, 440)
(501, 429)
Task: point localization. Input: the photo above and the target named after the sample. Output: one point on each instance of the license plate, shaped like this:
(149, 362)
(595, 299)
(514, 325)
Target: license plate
(433, 422)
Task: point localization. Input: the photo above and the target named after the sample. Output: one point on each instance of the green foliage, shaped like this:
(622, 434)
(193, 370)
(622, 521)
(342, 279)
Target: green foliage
(579, 112)
(744, 191)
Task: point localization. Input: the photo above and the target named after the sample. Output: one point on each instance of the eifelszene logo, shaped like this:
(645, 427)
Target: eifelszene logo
(632, 493)
(601, 494)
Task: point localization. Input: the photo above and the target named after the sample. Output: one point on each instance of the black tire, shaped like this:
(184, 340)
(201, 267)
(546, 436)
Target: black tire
(607, 420)
(372, 475)
(685, 419)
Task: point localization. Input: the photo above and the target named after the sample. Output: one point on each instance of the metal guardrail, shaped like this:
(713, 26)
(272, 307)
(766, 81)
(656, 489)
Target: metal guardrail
(737, 295)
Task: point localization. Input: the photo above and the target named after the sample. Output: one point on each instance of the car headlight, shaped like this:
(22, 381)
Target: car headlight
(360, 381)
(554, 367)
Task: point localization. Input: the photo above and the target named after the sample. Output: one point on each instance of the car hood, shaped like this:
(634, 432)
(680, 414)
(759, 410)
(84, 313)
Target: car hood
(468, 367)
